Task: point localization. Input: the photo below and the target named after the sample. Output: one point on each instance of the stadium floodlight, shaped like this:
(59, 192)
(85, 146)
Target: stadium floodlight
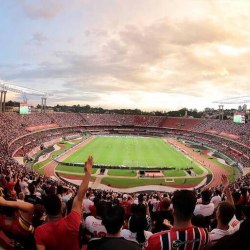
(7, 86)
(234, 100)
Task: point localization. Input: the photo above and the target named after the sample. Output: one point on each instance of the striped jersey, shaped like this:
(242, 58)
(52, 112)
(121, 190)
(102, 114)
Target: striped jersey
(190, 238)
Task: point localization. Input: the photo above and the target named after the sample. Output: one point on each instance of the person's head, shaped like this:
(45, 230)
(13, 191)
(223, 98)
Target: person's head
(125, 197)
(140, 198)
(206, 196)
(236, 196)
(141, 209)
(217, 192)
(60, 189)
(53, 205)
(184, 202)
(100, 207)
(21, 196)
(166, 203)
(225, 212)
(31, 188)
(113, 218)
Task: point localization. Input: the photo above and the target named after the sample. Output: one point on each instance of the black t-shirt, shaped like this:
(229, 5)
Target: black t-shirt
(109, 243)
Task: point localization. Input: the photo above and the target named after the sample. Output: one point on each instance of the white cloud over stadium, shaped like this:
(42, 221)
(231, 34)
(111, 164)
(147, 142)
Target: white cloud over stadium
(135, 54)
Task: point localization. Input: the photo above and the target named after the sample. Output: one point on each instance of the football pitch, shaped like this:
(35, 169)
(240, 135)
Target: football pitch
(132, 152)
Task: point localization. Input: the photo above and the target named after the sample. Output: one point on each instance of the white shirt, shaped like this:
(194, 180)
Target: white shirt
(86, 203)
(128, 235)
(95, 226)
(216, 233)
(205, 210)
(216, 200)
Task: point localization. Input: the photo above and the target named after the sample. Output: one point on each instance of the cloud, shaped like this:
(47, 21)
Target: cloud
(38, 39)
(39, 9)
(186, 57)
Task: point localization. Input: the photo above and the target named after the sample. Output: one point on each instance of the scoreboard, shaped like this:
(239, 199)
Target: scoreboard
(239, 117)
(24, 109)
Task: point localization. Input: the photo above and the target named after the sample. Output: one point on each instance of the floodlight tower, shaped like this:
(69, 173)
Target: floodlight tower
(6, 86)
(234, 100)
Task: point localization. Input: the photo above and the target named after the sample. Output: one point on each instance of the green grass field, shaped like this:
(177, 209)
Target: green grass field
(125, 183)
(132, 151)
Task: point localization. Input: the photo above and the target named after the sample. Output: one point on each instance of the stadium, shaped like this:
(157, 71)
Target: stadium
(144, 150)
(132, 153)
(124, 125)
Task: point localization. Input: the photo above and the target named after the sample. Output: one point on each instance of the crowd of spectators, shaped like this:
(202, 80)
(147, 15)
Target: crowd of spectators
(36, 211)
(227, 126)
(13, 125)
(181, 123)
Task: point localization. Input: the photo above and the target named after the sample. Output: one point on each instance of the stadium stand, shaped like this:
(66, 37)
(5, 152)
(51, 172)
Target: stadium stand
(19, 183)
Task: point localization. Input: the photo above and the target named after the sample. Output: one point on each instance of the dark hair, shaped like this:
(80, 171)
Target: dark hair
(137, 224)
(166, 203)
(226, 212)
(31, 188)
(141, 209)
(60, 189)
(206, 195)
(236, 196)
(113, 218)
(184, 202)
(100, 207)
(52, 204)
(217, 192)
(140, 198)
(133, 208)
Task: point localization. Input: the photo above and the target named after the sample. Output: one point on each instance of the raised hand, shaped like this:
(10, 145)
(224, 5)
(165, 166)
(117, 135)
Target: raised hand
(224, 180)
(88, 165)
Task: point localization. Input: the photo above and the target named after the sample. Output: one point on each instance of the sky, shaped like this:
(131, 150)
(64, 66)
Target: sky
(146, 54)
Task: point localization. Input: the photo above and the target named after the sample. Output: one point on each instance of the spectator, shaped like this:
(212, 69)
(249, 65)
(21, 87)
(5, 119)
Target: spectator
(86, 205)
(136, 230)
(32, 198)
(113, 220)
(93, 224)
(183, 233)
(224, 215)
(159, 216)
(62, 233)
(238, 240)
(19, 227)
(206, 208)
(216, 199)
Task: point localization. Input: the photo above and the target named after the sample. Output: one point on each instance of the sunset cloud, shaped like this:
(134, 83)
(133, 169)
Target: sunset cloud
(120, 54)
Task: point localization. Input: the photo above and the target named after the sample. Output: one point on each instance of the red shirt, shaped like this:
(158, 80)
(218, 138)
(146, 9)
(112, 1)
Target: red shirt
(190, 238)
(126, 205)
(61, 234)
